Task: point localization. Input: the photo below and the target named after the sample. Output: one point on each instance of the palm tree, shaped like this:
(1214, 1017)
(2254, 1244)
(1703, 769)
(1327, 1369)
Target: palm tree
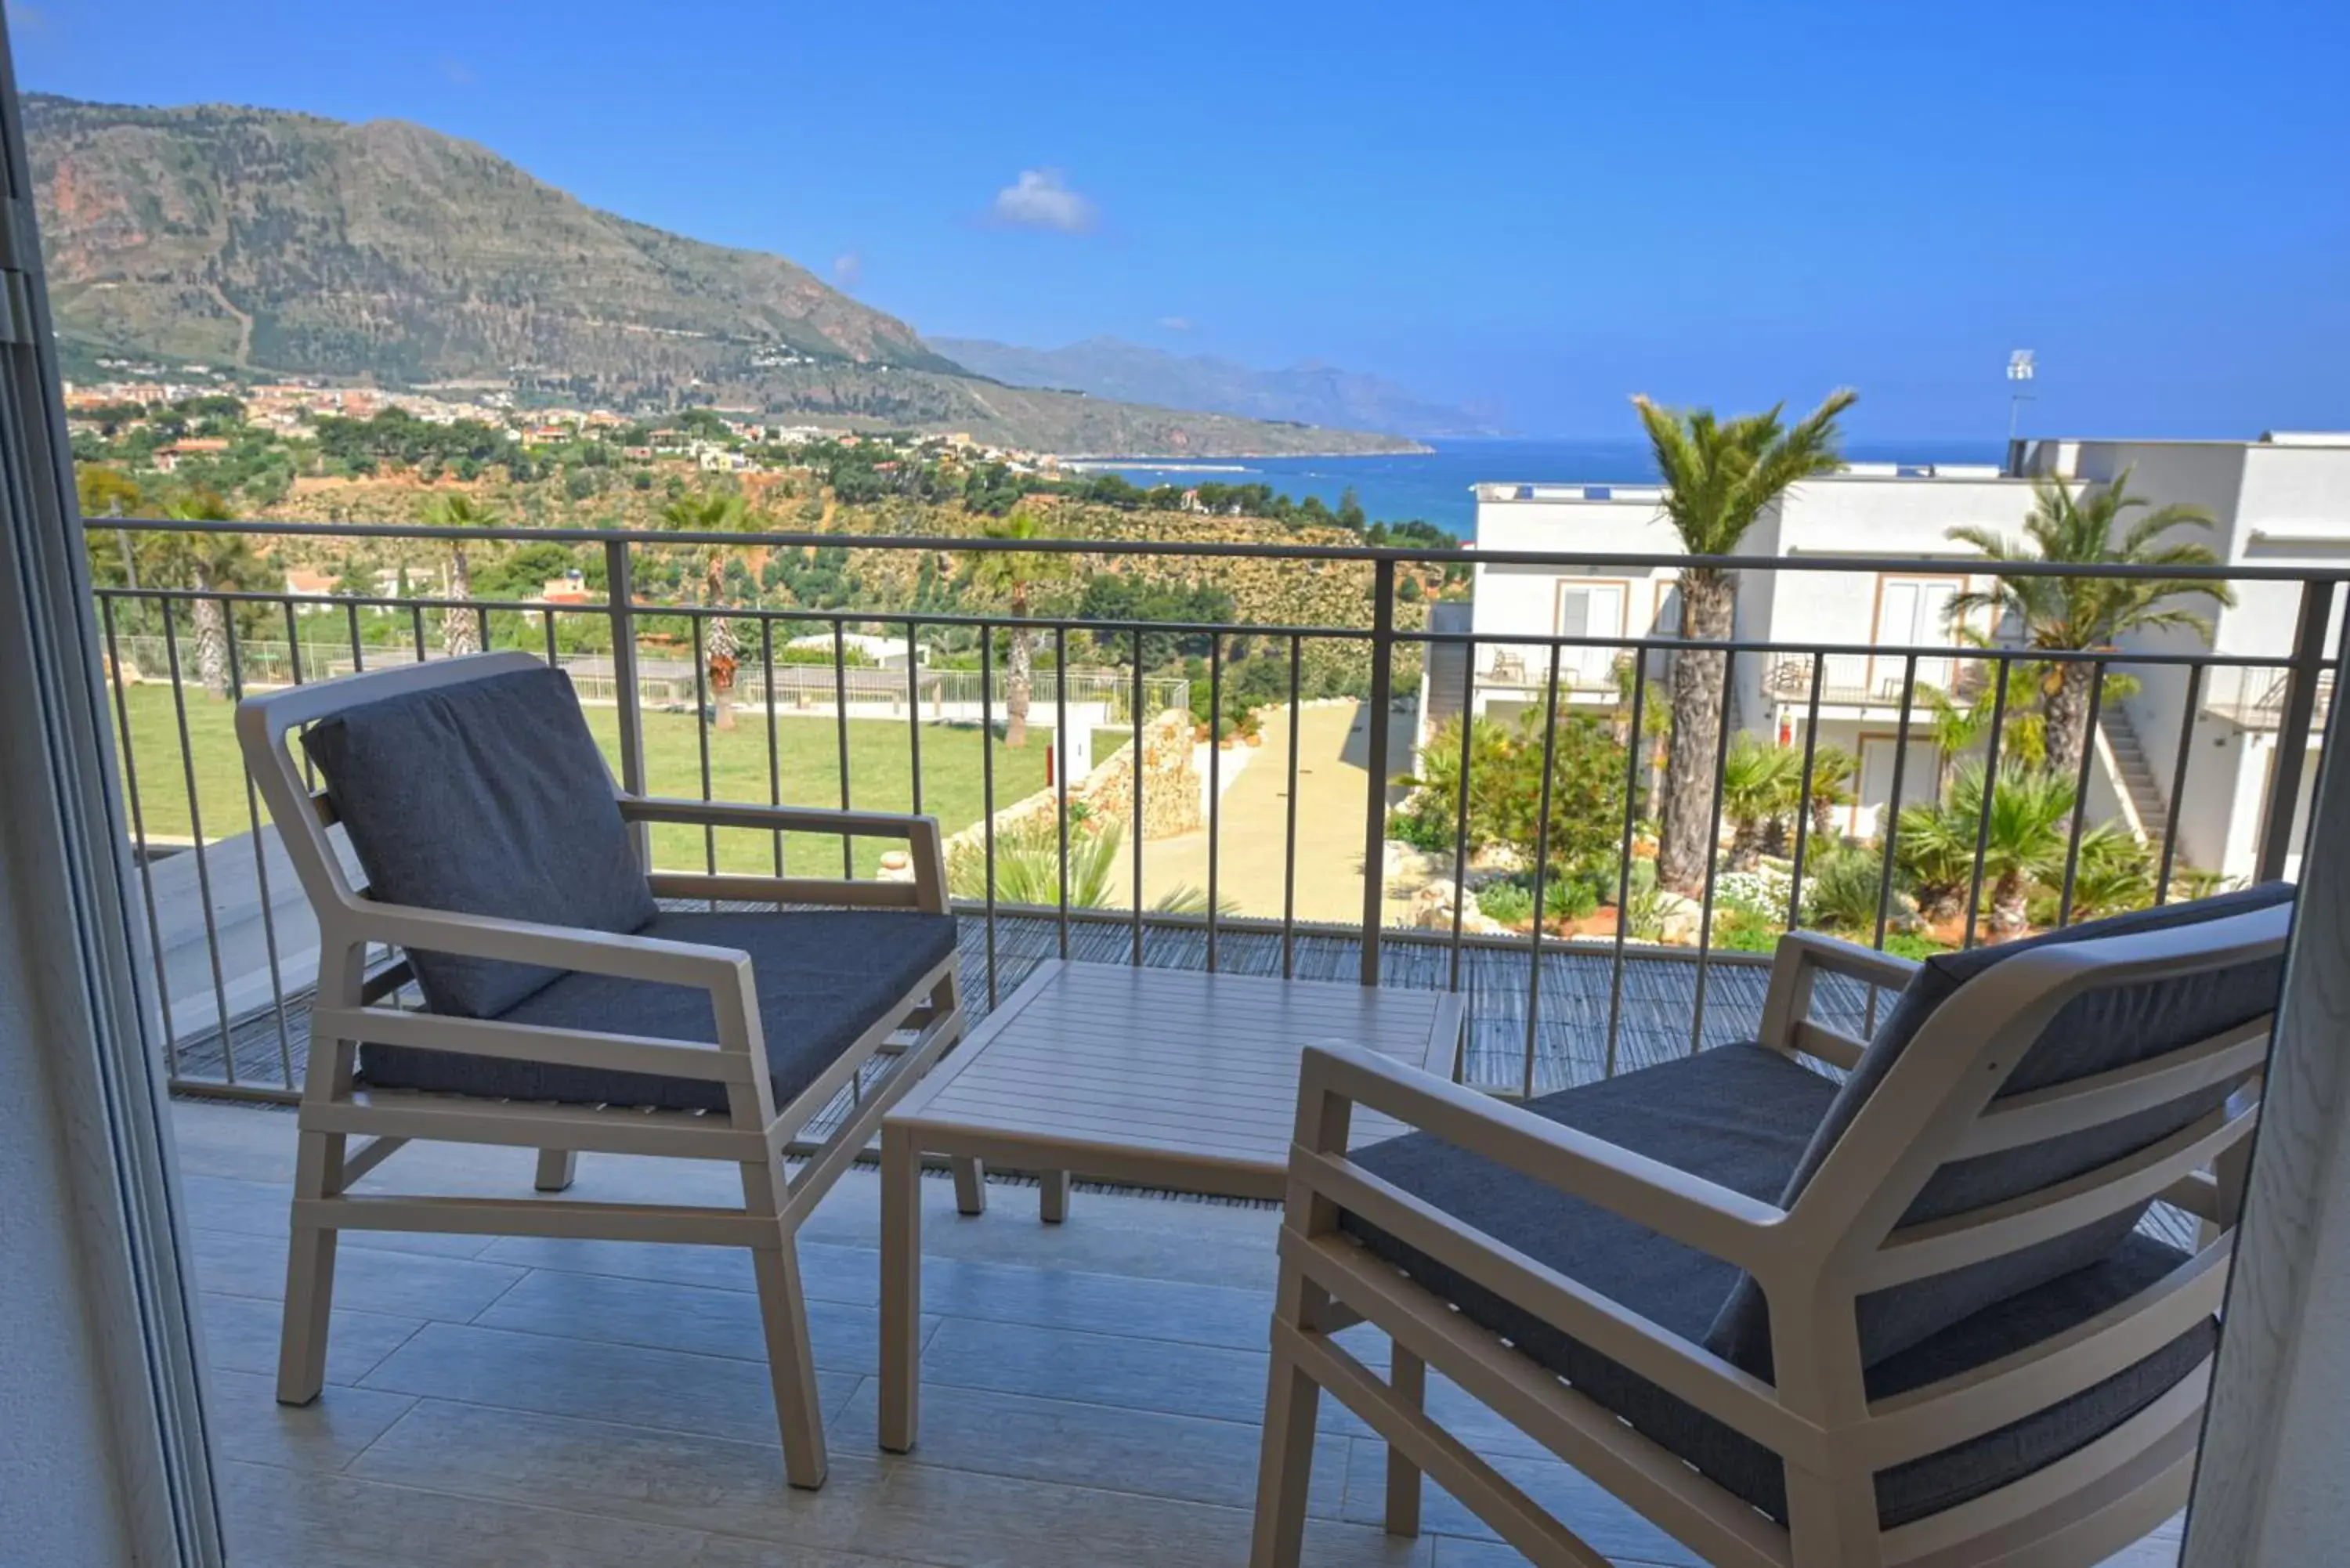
(1760, 786)
(1832, 775)
(2023, 842)
(717, 513)
(1720, 475)
(1014, 576)
(460, 623)
(2085, 613)
(208, 562)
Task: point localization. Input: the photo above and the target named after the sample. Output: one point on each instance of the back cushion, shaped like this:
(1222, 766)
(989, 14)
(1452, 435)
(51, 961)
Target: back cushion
(484, 798)
(2096, 1032)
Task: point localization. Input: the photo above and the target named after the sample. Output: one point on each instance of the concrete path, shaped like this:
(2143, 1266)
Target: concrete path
(1253, 824)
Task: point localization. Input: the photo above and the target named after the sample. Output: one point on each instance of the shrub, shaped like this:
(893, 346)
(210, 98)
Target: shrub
(1745, 931)
(1569, 898)
(1761, 891)
(1843, 889)
(1913, 945)
(1028, 863)
(2113, 875)
(1506, 902)
(1643, 917)
(1505, 778)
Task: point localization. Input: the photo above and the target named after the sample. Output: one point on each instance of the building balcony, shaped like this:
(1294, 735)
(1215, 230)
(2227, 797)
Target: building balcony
(1873, 681)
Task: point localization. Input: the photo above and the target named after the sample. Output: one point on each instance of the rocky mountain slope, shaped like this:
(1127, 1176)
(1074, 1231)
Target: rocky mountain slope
(388, 253)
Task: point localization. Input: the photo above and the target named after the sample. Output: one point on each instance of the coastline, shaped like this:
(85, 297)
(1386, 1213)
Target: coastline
(1227, 462)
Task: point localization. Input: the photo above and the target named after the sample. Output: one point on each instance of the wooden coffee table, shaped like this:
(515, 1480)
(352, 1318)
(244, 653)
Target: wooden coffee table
(1165, 1078)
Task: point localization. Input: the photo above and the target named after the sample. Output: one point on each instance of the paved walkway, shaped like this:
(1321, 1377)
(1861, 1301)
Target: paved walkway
(1253, 823)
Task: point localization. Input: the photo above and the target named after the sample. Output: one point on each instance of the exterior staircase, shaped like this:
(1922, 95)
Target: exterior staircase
(2137, 773)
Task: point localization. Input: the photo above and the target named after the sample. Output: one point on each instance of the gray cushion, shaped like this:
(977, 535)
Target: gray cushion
(2095, 1033)
(1741, 1117)
(822, 976)
(484, 798)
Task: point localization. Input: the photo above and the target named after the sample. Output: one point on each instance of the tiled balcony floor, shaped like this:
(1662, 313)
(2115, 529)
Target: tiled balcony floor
(1090, 1397)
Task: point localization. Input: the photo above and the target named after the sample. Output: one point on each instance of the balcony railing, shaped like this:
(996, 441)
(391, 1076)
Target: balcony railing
(2256, 699)
(1213, 869)
(1878, 679)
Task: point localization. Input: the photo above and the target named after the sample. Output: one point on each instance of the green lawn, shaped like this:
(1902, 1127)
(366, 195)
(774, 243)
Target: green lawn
(807, 772)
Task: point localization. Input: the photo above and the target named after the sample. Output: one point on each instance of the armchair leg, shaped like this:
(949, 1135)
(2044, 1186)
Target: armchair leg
(557, 1168)
(782, 1312)
(1293, 1407)
(970, 1186)
(1409, 1380)
(309, 1274)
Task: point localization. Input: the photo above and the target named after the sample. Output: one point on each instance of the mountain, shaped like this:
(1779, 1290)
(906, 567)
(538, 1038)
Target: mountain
(1313, 393)
(388, 253)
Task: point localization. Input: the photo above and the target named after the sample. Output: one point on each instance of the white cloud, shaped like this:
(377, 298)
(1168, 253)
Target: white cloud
(1175, 323)
(1041, 199)
(457, 72)
(848, 269)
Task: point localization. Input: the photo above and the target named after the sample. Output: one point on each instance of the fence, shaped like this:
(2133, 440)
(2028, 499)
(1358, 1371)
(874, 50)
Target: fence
(1559, 997)
(673, 683)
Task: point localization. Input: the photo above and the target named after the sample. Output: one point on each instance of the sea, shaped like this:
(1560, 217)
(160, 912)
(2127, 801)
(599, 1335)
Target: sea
(1434, 486)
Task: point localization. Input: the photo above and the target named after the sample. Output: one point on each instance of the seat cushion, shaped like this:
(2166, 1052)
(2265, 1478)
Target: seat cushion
(2095, 1033)
(487, 797)
(1742, 1116)
(823, 976)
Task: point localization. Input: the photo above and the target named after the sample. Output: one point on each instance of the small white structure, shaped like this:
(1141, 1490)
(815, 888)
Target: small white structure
(888, 652)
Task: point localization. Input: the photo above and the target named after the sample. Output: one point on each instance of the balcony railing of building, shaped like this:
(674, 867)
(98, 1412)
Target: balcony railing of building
(2257, 698)
(1876, 679)
(1161, 859)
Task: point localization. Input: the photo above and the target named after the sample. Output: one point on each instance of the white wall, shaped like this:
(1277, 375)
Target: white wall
(56, 1454)
(2273, 505)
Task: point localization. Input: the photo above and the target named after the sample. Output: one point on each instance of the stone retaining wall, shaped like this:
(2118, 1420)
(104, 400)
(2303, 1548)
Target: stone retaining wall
(1172, 788)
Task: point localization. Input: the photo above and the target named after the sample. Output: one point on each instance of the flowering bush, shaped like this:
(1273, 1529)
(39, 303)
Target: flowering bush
(1761, 891)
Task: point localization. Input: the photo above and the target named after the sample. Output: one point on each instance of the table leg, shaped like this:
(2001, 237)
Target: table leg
(1052, 1195)
(901, 1287)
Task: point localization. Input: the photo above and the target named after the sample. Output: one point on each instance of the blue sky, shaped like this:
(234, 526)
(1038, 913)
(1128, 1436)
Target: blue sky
(1542, 207)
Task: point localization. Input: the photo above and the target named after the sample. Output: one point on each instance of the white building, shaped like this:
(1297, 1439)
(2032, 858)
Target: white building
(2281, 500)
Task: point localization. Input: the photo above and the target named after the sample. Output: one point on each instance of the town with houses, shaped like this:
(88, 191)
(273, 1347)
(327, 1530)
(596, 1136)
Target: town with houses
(289, 408)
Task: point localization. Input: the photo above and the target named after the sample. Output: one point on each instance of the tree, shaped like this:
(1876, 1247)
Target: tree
(460, 623)
(1832, 779)
(2088, 613)
(1013, 577)
(1720, 475)
(717, 513)
(1505, 773)
(208, 562)
(1760, 787)
(107, 492)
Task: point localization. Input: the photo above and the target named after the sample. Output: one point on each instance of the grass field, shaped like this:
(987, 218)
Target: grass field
(807, 772)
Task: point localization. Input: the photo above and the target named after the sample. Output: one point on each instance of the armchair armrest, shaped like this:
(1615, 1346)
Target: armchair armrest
(1689, 1208)
(1799, 960)
(740, 1056)
(1700, 1213)
(921, 833)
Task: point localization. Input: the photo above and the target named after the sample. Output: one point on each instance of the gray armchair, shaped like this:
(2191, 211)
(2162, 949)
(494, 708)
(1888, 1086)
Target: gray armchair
(1908, 1318)
(566, 1009)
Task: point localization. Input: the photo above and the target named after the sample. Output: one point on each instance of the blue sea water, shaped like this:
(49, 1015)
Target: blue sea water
(1434, 486)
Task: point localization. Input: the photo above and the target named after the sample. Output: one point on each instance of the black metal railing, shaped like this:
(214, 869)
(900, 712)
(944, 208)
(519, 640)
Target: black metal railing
(224, 920)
